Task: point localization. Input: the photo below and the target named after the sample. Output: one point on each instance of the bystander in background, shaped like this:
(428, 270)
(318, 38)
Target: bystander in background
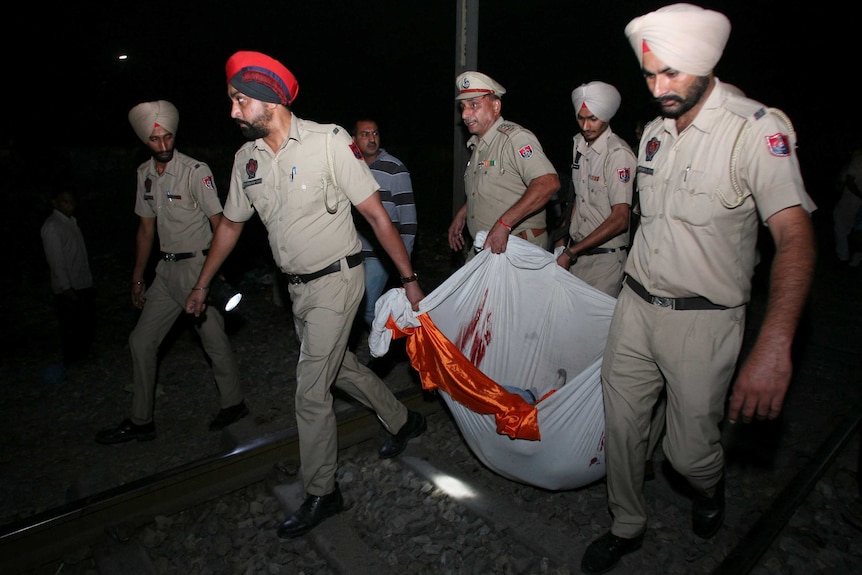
(71, 280)
(847, 214)
(396, 194)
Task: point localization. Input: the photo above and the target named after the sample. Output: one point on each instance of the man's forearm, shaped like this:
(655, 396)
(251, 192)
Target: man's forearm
(224, 240)
(790, 278)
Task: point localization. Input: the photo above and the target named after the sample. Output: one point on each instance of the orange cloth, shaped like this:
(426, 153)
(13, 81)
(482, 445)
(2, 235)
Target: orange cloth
(442, 365)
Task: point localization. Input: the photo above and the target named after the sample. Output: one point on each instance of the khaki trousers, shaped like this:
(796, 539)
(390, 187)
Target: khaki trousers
(690, 354)
(602, 271)
(166, 299)
(323, 312)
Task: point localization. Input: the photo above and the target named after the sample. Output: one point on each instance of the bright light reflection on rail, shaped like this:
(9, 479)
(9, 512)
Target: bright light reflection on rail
(453, 487)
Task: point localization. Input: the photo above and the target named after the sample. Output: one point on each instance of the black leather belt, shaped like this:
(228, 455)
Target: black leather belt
(182, 256)
(596, 251)
(353, 260)
(679, 303)
(536, 232)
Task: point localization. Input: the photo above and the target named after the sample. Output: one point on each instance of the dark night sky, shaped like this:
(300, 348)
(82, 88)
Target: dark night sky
(396, 60)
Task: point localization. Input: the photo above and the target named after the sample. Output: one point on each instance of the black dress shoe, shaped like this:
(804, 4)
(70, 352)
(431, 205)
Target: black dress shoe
(395, 444)
(313, 510)
(707, 513)
(127, 431)
(229, 415)
(605, 552)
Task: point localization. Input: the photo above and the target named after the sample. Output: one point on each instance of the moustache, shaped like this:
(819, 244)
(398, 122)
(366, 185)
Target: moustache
(666, 99)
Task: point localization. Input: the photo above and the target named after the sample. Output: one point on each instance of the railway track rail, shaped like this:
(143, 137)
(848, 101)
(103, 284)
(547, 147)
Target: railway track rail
(542, 538)
(48, 536)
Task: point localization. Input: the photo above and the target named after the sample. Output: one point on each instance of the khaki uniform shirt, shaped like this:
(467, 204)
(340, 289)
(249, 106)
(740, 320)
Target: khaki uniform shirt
(182, 199)
(502, 164)
(306, 212)
(697, 235)
(603, 176)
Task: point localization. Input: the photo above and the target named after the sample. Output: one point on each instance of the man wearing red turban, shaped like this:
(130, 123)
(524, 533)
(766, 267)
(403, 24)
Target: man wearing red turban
(303, 178)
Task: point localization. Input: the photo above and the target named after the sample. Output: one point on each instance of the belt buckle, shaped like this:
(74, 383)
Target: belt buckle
(170, 257)
(662, 301)
(294, 279)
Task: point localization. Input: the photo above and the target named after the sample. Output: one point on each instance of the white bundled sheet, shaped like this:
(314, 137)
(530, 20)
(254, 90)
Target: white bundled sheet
(512, 319)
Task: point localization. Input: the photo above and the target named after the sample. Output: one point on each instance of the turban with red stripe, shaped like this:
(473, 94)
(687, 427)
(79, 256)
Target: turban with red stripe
(261, 77)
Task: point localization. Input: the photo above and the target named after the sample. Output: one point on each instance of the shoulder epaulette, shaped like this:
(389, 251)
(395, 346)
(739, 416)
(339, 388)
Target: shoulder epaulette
(316, 128)
(508, 128)
(752, 111)
(745, 107)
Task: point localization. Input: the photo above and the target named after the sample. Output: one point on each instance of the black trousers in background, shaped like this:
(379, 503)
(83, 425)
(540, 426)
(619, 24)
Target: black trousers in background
(77, 319)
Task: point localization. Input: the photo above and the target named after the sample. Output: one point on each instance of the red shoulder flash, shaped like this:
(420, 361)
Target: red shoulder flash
(356, 151)
(778, 144)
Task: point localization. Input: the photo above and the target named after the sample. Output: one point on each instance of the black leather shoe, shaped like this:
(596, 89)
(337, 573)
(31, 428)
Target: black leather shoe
(395, 444)
(707, 513)
(604, 553)
(313, 510)
(127, 431)
(229, 415)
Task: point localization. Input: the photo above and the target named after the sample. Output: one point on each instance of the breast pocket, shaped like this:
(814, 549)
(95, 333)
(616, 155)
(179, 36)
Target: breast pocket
(598, 195)
(261, 202)
(312, 196)
(694, 200)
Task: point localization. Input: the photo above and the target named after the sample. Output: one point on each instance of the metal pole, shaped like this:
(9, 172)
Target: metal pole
(466, 57)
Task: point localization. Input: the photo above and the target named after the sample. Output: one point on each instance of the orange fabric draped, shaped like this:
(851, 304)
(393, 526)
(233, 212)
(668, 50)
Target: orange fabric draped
(441, 364)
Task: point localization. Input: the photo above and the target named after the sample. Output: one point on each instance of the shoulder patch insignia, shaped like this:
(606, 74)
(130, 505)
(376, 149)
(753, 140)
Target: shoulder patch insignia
(652, 148)
(356, 151)
(208, 183)
(624, 174)
(251, 168)
(526, 152)
(778, 144)
(506, 128)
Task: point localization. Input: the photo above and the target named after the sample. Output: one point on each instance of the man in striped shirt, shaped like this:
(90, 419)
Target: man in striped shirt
(396, 193)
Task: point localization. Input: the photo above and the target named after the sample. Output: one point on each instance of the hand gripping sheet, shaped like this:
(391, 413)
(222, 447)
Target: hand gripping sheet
(512, 319)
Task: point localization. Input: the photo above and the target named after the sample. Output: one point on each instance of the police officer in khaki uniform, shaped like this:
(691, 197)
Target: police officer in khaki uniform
(603, 168)
(302, 179)
(177, 195)
(714, 165)
(508, 179)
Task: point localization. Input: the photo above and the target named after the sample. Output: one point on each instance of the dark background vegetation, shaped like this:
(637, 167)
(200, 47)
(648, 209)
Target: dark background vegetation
(66, 95)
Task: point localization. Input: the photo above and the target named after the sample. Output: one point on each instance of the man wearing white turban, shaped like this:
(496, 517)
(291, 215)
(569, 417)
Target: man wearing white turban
(603, 169)
(709, 171)
(176, 196)
(147, 116)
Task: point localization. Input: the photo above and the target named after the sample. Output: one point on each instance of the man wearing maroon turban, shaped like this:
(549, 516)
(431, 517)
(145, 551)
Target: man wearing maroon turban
(303, 179)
